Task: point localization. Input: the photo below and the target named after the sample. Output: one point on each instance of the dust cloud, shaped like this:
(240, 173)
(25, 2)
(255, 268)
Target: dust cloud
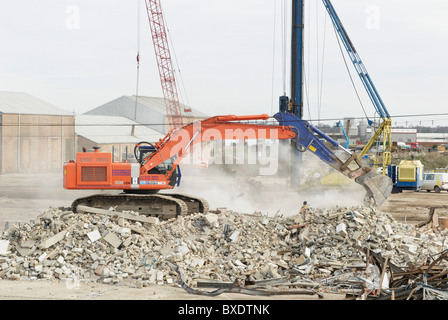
(254, 176)
(234, 185)
(25, 196)
(237, 190)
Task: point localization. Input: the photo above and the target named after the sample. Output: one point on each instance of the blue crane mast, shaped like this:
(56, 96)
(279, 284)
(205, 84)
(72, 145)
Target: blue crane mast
(296, 102)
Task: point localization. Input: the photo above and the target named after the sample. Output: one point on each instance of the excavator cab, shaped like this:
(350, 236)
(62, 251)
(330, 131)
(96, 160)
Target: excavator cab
(144, 151)
(163, 168)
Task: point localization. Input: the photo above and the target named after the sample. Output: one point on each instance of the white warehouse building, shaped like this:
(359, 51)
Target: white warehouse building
(149, 111)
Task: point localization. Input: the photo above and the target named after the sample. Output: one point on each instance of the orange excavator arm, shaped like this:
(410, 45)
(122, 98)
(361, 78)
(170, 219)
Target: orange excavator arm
(178, 142)
(157, 169)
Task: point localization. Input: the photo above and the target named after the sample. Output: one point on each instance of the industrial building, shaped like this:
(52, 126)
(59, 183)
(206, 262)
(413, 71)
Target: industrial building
(149, 111)
(114, 134)
(35, 136)
(407, 136)
(432, 138)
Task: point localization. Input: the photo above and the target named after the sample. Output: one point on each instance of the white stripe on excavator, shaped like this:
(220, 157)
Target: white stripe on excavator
(135, 169)
(135, 173)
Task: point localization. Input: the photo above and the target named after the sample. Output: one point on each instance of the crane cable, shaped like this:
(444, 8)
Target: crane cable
(273, 57)
(353, 83)
(284, 36)
(349, 73)
(138, 65)
(317, 61)
(177, 69)
(320, 86)
(187, 103)
(307, 93)
(305, 70)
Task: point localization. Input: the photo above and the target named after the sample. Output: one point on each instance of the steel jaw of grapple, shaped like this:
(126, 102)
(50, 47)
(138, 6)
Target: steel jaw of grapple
(378, 186)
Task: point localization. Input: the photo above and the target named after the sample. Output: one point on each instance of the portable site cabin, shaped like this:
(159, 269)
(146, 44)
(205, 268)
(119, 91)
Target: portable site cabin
(408, 175)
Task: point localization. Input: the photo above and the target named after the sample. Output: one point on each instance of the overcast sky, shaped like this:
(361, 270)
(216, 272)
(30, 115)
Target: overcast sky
(79, 54)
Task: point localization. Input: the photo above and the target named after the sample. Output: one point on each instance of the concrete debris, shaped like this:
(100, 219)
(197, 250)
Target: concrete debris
(4, 244)
(324, 250)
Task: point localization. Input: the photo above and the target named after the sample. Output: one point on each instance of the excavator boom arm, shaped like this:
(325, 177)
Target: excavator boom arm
(178, 142)
(378, 187)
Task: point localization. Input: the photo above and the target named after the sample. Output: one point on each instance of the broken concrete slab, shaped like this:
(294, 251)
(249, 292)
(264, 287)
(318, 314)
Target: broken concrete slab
(25, 251)
(341, 229)
(112, 239)
(212, 220)
(85, 209)
(28, 244)
(4, 245)
(94, 235)
(46, 243)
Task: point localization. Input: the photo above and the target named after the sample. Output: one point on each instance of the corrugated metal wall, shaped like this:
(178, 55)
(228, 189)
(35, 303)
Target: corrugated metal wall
(36, 143)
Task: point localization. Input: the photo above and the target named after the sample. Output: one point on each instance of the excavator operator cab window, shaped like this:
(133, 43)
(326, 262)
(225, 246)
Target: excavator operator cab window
(162, 168)
(144, 151)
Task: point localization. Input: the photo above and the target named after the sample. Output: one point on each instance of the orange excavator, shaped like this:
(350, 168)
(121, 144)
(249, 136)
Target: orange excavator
(158, 165)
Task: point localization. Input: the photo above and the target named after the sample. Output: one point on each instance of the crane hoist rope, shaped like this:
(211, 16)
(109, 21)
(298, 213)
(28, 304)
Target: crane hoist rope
(138, 67)
(273, 54)
(177, 69)
(349, 74)
(322, 67)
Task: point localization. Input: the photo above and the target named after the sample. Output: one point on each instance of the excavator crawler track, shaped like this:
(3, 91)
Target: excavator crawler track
(163, 206)
(194, 204)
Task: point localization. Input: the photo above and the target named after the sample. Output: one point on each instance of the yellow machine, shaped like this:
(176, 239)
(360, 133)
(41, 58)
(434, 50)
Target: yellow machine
(408, 175)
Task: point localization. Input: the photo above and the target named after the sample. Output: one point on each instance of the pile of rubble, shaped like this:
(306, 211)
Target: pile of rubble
(317, 249)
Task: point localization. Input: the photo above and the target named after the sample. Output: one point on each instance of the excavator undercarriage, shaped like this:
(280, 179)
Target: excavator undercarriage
(162, 206)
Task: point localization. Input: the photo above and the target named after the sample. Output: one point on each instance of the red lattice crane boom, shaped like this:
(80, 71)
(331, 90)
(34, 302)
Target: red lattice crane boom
(164, 63)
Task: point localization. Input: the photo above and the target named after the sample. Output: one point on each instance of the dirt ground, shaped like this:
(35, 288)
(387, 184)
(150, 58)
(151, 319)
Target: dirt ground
(23, 198)
(413, 207)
